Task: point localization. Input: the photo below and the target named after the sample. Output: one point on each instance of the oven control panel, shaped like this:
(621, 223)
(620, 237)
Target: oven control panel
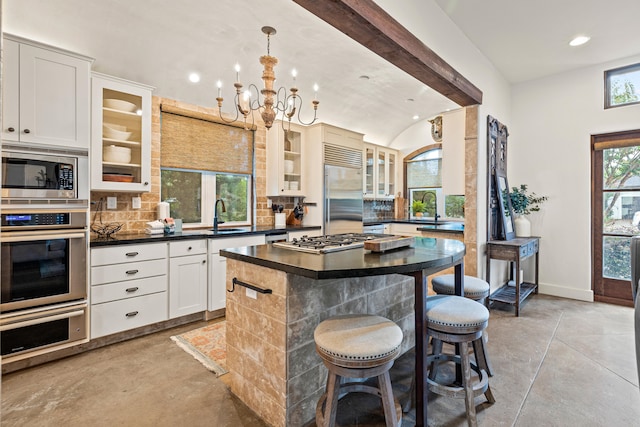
(42, 220)
(31, 219)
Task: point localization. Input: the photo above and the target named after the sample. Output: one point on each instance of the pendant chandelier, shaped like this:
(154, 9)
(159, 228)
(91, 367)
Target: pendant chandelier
(272, 103)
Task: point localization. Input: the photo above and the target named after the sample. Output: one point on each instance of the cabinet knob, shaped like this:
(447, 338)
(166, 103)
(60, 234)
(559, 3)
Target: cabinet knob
(11, 130)
(27, 131)
(189, 248)
(204, 261)
(146, 183)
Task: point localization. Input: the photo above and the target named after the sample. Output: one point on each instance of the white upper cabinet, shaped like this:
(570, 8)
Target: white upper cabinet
(380, 169)
(286, 174)
(120, 135)
(341, 137)
(46, 97)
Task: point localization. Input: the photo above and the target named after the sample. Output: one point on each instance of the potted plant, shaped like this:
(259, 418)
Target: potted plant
(417, 207)
(523, 204)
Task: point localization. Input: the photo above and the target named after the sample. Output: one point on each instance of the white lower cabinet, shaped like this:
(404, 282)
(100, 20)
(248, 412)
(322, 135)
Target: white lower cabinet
(128, 287)
(218, 266)
(187, 277)
(405, 229)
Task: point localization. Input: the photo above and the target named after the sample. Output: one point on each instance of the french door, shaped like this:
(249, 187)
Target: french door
(615, 195)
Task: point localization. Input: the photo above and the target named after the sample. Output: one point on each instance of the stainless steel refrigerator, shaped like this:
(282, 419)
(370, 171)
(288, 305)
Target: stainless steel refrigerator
(343, 190)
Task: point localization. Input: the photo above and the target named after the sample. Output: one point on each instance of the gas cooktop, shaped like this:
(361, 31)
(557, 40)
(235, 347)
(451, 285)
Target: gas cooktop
(329, 243)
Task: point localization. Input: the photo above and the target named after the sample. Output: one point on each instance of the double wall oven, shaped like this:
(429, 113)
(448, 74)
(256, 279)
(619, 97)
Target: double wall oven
(43, 253)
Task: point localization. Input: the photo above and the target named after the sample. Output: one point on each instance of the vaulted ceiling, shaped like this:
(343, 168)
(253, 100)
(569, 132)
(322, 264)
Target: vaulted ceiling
(160, 43)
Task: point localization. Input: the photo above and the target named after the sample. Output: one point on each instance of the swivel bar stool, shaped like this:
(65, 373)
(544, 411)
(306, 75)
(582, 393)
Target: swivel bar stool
(357, 346)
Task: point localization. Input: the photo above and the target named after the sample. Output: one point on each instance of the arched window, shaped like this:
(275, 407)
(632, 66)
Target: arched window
(423, 179)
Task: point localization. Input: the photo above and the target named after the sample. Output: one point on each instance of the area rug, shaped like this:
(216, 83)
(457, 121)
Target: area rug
(207, 345)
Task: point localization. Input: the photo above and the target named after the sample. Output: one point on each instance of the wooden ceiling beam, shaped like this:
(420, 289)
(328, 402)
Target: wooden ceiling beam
(368, 24)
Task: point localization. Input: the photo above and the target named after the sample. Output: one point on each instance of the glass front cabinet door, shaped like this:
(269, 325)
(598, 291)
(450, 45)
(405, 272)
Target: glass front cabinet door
(379, 172)
(120, 135)
(285, 166)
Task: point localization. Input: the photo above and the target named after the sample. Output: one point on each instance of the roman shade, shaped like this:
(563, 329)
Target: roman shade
(197, 140)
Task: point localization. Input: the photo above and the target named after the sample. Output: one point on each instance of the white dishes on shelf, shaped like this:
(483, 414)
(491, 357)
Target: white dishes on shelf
(112, 131)
(293, 185)
(288, 166)
(116, 154)
(120, 105)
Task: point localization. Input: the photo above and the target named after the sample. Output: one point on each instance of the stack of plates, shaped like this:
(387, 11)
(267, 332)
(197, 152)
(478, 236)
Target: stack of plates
(118, 104)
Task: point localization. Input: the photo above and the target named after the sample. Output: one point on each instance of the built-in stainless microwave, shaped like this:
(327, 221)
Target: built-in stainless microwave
(39, 175)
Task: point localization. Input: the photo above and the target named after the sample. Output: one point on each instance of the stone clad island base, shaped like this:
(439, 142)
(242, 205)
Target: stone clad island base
(272, 361)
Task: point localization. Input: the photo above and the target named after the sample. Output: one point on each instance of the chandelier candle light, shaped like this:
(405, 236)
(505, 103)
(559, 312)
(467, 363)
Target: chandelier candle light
(272, 103)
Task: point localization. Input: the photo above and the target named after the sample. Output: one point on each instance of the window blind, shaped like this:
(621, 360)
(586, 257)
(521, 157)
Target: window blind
(196, 140)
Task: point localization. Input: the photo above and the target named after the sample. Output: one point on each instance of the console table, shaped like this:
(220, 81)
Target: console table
(514, 251)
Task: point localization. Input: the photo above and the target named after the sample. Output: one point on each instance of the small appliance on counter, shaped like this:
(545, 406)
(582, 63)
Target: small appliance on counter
(296, 215)
(164, 210)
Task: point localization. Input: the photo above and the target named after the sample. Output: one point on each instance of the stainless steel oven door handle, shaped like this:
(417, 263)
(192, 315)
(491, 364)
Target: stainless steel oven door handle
(24, 236)
(39, 320)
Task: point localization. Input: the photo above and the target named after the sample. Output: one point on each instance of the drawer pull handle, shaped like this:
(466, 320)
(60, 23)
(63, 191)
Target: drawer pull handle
(131, 271)
(129, 290)
(131, 253)
(131, 314)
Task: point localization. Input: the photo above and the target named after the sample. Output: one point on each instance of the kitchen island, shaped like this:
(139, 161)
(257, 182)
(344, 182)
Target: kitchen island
(271, 354)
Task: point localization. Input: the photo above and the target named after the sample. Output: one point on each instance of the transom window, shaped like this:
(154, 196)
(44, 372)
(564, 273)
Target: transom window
(622, 86)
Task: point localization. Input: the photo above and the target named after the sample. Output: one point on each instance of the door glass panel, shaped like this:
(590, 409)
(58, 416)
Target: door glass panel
(616, 258)
(392, 174)
(369, 171)
(34, 269)
(381, 176)
(621, 168)
(621, 212)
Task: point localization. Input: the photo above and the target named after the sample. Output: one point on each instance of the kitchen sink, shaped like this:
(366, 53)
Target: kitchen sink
(230, 230)
(430, 222)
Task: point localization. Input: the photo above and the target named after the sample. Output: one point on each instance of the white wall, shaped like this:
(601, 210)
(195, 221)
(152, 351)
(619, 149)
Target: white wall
(549, 150)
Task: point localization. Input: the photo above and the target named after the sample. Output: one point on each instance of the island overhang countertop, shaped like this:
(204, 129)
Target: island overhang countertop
(425, 254)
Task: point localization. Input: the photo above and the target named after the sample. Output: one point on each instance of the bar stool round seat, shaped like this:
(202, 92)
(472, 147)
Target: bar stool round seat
(477, 290)
(474, 288)
(459, 321)
(357, 346)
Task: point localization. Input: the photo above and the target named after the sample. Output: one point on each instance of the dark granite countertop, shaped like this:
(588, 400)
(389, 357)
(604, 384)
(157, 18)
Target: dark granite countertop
(426, 224)
(426, 253)
(131, 238)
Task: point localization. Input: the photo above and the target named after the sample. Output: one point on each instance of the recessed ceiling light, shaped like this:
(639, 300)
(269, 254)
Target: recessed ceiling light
(580, 40)
(194, 77)
(416, 117)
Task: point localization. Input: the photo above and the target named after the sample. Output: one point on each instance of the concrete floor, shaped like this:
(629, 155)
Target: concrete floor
(561, 363)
